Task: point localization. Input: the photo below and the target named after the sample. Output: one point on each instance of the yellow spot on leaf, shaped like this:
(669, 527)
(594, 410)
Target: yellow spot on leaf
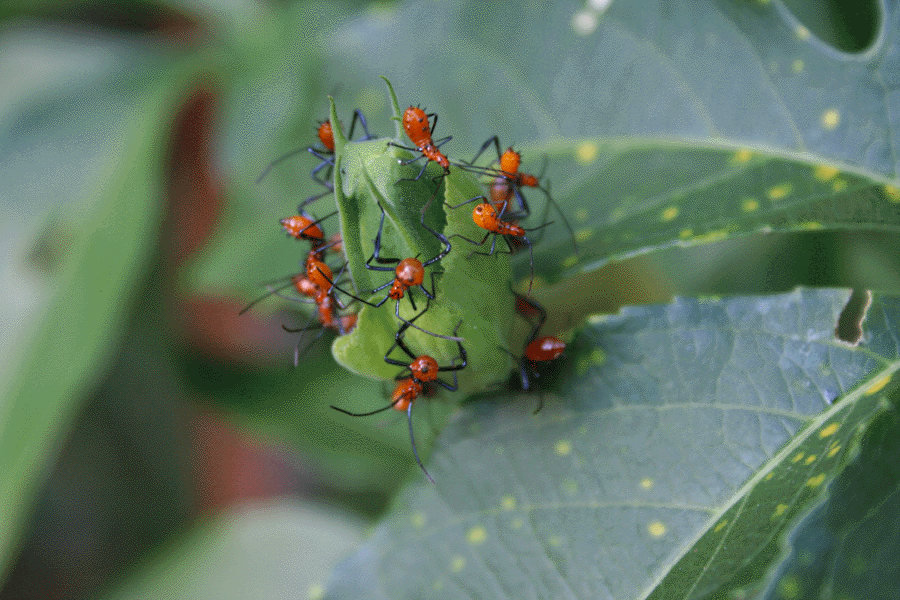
(825, 172)
(686, 233)
(569, 487)
(816, 481)
(834, 450)
(828, 430)
(749, 204)
(839, 185)
(797, 457)
(713, 236)
(802, 32)
(581, 214)
(769, 476)
(797, 66)
(656, 529)
(570, 261)
(892, 192)
(476, 535)
(810, 459)
(458, 564)
(742, 156)
(779, 191)
(830, 119)
(595, 357)
(586, 152)
(508, 503)
(418, 520)
(669, 214)
(721, 525)
(555, 541)
(583, 235)
(646, 483)
(315, 592)
(779, 510)
(789, 587)
(563, 448)
(810, 225)
(877, 385)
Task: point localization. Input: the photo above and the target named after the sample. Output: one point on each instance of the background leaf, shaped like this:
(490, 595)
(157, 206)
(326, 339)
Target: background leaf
(87, 259)
(256, 551)
(659, 132)
(691, 434)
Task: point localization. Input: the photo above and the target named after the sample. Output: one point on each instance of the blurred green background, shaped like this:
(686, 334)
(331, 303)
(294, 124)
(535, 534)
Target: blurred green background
(169, 441)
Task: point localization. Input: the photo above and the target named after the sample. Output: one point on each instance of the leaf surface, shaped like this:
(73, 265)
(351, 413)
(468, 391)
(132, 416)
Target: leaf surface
(690, 436)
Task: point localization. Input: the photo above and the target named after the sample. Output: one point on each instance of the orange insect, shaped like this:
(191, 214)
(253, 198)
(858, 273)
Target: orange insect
(302, 227)
(422, 372)
(314, 286)
(408, 274)
(419, 131)
(507, 184)
(325, 154)
(317, 285)
(537, 349)
(486, 216)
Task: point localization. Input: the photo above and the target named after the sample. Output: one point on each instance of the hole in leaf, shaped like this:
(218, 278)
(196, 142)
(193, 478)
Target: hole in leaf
(848, 25)
(849, 325)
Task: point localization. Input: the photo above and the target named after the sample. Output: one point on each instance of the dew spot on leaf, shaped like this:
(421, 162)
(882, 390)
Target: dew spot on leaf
(825, 173)
(878, 385)
(892, 192)
(780, 191)
(828, 430)
(831, 118)
(476, 535)
(586, 152)
(458, 564)
(669, 213)
(742, 156)
(656, 529)
(816, 481)
(563, 448)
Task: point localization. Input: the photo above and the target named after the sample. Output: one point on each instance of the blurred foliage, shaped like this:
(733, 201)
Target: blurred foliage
(747, 156)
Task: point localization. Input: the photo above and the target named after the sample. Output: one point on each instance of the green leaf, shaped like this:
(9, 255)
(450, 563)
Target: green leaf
(660, 131)
(99, 209)
(472, 290)
(688, 437)
(843, 548)
(273, 550)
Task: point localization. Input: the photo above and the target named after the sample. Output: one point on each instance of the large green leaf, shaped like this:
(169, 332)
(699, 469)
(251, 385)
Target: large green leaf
(690, 436)
(84, 186)
(665, 123)
(267, 551)
(848, 546)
